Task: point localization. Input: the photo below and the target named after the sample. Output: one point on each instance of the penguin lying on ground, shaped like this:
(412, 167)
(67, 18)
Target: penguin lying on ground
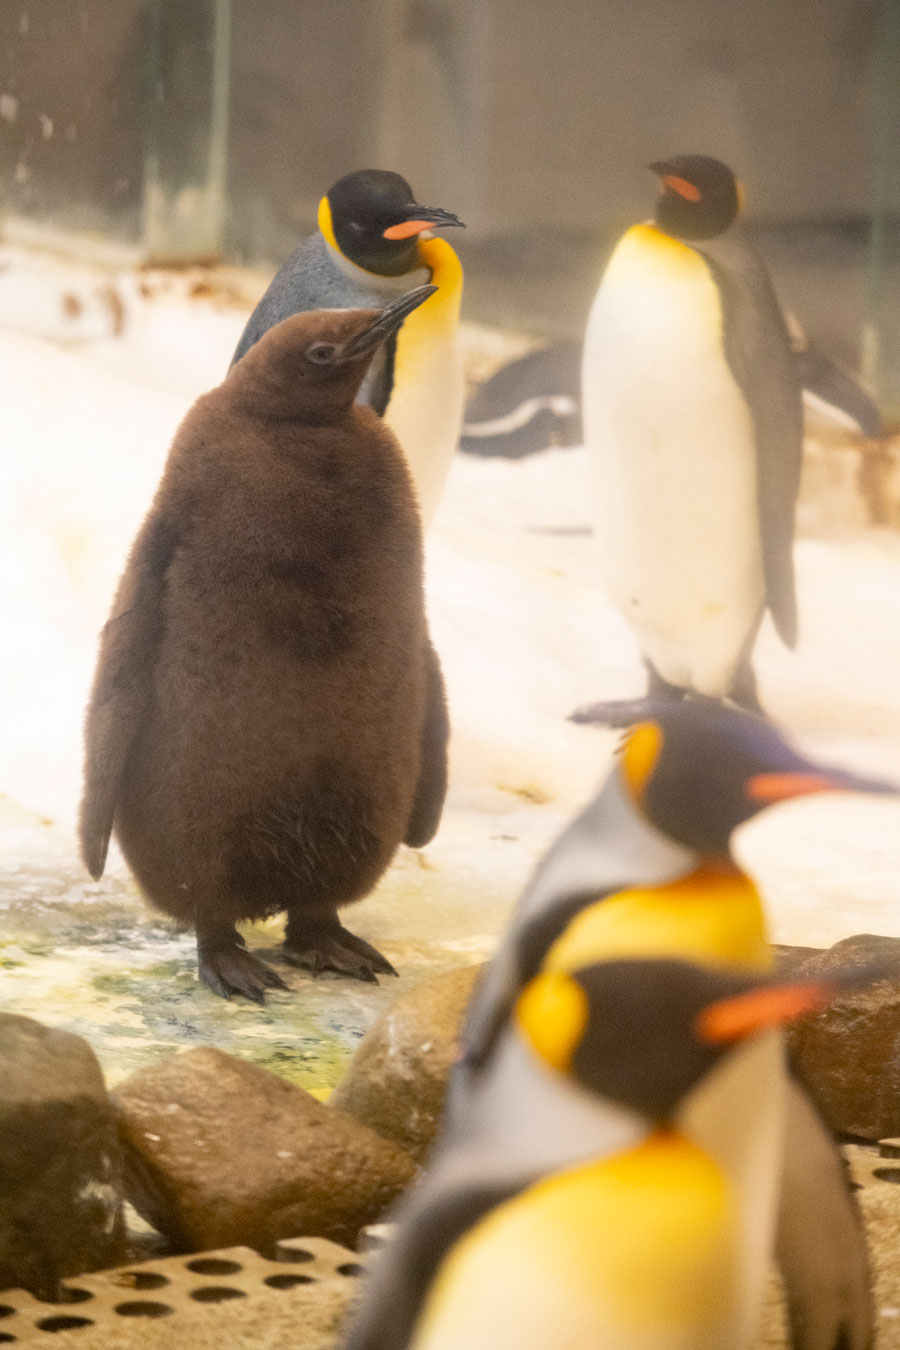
(693, 420)
(535, 401)
(374, 241)
(645, 874)
(267, 722)
(590, 1210)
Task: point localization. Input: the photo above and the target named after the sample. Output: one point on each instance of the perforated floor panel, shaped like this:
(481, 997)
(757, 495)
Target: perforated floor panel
(170, 1287)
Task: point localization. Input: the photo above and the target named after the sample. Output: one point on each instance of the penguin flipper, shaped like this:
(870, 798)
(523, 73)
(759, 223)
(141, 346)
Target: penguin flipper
(758, 350)
(128, 646)
(821, 1245)
(428, 1224)
(431, 788)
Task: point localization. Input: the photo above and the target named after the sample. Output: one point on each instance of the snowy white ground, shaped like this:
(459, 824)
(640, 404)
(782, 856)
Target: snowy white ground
(517, 613)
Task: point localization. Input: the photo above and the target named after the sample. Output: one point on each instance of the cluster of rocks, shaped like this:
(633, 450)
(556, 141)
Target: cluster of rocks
(214, 1151)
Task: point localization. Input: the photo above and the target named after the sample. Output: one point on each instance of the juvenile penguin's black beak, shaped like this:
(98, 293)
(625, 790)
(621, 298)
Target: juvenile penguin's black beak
(418, 218)
(387, 321)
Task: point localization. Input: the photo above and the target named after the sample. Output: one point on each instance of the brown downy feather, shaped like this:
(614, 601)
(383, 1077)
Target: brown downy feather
(267, 722)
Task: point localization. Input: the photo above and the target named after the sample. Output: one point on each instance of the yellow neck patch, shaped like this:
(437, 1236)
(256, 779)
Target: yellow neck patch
(447, 275)
(552, 1012)
(326, 225)
(639, 756)
(712, 917)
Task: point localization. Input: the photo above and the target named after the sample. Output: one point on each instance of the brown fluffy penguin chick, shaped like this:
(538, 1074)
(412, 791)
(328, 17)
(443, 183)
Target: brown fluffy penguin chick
(267, 722)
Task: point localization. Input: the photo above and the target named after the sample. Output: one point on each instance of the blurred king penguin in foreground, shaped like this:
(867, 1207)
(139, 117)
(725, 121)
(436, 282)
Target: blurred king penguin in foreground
(375, 242)
(621, 1132)
(267, 722)
(693, 420)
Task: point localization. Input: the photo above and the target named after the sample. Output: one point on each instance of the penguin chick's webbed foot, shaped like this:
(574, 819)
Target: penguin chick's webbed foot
(318, 945)
(226, 967)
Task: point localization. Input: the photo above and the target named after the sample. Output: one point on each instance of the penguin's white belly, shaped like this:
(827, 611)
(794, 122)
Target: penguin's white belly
(737, 1117)
(674, 465)
(425, 409)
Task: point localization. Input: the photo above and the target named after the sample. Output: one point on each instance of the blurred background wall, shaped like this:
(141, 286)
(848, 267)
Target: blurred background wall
(182, 130)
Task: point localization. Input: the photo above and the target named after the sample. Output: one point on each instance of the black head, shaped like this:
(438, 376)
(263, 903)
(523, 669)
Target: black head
(310, 366)
(699, 196)
(644, 1032)
(375, 221)
(698, 769)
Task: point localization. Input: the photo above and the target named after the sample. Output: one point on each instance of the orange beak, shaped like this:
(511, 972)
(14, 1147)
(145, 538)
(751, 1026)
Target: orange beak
(731, 1019)
(407, 228)
(682, 187)
(780, 787)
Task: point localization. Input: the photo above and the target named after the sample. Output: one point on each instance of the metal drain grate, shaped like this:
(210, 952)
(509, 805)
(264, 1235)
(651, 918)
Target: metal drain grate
(174, 1284)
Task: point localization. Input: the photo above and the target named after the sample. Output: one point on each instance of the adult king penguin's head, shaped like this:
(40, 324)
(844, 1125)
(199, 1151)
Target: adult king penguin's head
(698, 769)
(699, 197)
(373, 219)
(643, 1032)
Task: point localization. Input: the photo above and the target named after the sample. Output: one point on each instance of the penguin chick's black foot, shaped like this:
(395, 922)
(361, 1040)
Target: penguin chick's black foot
(226, 967)
(318, 947)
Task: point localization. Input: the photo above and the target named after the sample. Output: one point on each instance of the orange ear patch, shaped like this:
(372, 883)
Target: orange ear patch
(407, 228)
(682, 187)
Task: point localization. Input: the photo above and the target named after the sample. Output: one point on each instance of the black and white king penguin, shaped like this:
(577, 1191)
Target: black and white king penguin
(641, 882)
(693, 421)
(375, 243)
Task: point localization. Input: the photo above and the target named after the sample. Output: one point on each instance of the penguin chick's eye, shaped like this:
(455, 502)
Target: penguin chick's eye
(321, 353)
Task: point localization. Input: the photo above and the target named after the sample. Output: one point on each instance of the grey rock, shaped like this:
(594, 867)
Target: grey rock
(397, 1081)
(60, 1160)
(220, 1152)
(849, 1054)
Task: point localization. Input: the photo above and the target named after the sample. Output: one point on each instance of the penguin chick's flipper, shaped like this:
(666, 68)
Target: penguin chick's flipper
(226, 967)
(122, 684)
(431, 788)
(624, 712)
(318, 944)
(820, 1243)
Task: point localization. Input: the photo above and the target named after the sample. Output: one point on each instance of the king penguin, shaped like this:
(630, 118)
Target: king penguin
(693, 421)
(635, 1241)
(375, 242)
(267, 722)
(646, 874)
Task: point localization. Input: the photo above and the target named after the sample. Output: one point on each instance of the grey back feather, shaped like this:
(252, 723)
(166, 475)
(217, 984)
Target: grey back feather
(758, 351)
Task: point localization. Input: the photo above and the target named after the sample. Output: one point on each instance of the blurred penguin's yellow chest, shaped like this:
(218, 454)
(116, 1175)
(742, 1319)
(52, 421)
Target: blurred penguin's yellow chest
(711, 917)
(635, 1252)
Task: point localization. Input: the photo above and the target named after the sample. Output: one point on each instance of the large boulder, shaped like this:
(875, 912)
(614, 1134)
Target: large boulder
(220, 1152)
(397, 1080)
(849, 1054)
(60, 1160)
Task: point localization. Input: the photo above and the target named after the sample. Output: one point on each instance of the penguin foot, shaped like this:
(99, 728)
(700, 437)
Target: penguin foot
(620, 712)
(336, 949)
(232, 969)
